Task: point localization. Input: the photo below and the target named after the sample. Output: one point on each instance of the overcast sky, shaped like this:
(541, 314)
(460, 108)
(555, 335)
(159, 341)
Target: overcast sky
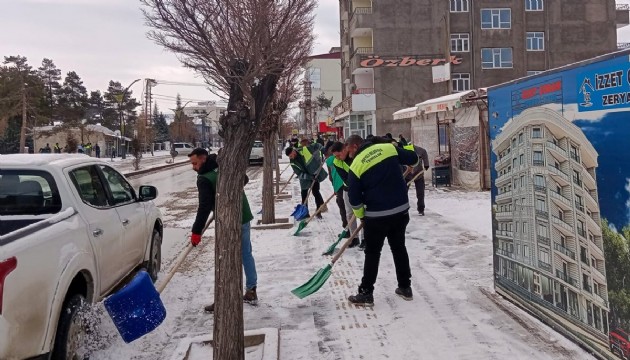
(106, 40)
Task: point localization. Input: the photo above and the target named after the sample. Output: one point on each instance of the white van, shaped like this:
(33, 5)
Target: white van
(182, 148)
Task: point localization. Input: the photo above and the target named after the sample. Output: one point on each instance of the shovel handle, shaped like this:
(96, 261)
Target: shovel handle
(321, 166)
(285, 185)
(285, 169)
(319, 210)
(347, 243)
(180, 259)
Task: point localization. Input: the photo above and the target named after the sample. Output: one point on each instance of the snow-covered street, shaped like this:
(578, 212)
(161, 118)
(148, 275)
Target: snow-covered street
(453, 315)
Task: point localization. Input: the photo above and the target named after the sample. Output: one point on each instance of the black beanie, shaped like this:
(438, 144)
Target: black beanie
(288, 150)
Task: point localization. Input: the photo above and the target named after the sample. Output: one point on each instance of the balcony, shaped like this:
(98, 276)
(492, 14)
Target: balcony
(361, 18)
(544, 266)
(564, 250)
(540, 188)
(577, 181)
(589, 181)
(622, 15)
(505, 234)
(506, 254)
(504, 215)
(538, 162)
(543, 240)
(343, 108)
(559, 175)
(587, 287)
(581, 232)
(593, 224)
(560, 200)
(563, 226)
(579, 207)
(556, 151)
(363, 51)
(566, 278)
(542, 213)
(504, 196)
(601, 300)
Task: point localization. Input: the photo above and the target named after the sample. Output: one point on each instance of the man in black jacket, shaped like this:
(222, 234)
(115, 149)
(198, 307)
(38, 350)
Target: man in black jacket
(206, 166)
(378, 196)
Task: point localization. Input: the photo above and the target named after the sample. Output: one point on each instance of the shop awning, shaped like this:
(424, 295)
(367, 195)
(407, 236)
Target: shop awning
(444, 103)
(407, 113)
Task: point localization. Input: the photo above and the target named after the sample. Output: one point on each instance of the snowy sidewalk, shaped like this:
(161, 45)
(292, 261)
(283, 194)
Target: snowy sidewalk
(449, 317)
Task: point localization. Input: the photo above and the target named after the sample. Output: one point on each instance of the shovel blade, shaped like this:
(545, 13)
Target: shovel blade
(331, 249)
(301, 226)
(315, 283)
(300, 212)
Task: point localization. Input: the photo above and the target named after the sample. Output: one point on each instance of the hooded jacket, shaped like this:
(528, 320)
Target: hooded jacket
(206, 186)
(307, 163)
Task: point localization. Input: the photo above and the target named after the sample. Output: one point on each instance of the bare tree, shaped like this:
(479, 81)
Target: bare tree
(286, 93)
(241, 48)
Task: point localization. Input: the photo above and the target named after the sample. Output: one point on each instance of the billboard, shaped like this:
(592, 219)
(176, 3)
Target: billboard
(560, 169)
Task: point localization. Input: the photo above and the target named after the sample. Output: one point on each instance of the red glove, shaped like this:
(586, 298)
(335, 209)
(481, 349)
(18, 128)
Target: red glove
(195, 239)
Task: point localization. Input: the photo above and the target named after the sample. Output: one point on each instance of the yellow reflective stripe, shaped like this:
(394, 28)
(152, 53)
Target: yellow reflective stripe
(341, 164)
(409, 147)
(372, 156)
(359, 213)
(307, 154)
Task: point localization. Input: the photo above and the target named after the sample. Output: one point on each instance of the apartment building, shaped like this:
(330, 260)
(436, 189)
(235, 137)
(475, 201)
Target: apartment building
(321, 74)
(389, 48)
(548, 239)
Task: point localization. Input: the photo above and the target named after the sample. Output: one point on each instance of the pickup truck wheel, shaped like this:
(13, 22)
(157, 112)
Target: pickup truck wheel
(155, 258)
(70, 332)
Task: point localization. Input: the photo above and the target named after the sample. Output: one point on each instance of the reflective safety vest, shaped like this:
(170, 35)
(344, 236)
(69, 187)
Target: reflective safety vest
(409, 147)
(343, 166)
(306, 154)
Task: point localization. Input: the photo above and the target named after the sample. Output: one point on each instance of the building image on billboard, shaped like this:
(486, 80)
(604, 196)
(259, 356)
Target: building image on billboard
(560, 169)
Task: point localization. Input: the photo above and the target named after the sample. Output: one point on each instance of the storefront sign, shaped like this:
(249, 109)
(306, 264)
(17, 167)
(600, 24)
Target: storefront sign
(406, 61)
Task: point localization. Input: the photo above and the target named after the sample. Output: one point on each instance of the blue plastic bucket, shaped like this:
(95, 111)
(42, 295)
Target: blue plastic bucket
(136, 309)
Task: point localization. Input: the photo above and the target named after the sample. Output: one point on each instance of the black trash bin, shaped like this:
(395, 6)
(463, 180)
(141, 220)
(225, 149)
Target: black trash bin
(441, 175)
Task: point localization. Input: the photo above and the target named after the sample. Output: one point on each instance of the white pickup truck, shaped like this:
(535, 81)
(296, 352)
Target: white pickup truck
(72, 229)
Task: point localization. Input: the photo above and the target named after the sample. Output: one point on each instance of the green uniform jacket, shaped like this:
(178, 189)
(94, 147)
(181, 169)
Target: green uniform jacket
(246, 211)
(307, 163)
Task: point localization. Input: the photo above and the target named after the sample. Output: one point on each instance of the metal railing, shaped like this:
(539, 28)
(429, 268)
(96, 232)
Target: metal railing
(544, 240)
(564, 250)
(579, 206)
(581, 232)
(562, 198)
(542, 213)
(557, 148)
(363, 51)
(540, 188)
(543, 265)
(562, 223)
(505, 233)
(538, 162)
(587, 287)
(362, 11)
(556, 171)
(566, 278)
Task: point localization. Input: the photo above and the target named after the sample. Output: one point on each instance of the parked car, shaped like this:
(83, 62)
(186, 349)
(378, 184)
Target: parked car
(182, 148)
(72, 229)
(257, 153)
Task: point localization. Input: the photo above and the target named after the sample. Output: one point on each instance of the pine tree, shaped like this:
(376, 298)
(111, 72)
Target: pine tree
(96, 107)
(113, 98)
(161, 128)
(50, 75)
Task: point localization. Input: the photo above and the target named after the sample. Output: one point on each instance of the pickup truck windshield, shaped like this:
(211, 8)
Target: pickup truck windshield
(28, 192)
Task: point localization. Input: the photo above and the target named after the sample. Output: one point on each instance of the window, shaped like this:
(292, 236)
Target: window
(314, 75)
(539, 182)
(515, 162)
(525, 228)
(536, 133)
(575, 155)
(538, 158)
(461, 82)
(541, 205)
(459, 5)
(533, 72)
(496, 58)
(460, 42)
(525, 249)
(533, 5)
(543, 254)
(535, 41)
(120, 189)
(28, 192)
(541, 230)
(522, 159)
(89, 185)
(522, 181)
(496, 18)
(520, 138)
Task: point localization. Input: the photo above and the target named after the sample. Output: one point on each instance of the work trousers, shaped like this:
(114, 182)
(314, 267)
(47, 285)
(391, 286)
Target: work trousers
(319, 201)
(376, 230)
(249, 265)
(350, 214)
(342, 207)
(419, 183)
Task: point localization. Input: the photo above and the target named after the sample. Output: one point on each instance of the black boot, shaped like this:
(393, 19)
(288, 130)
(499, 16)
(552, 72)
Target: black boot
(363, 298)
(354, 243)
(362, 245)
(209, 308)
(405, 293)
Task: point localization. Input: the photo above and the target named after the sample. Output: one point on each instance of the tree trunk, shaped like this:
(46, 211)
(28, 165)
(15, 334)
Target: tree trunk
(268, 205)
(228, 288)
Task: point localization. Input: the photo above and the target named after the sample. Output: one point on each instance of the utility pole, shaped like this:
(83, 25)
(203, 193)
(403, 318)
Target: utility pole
(447, 34)
(308, 105)
(24, 118)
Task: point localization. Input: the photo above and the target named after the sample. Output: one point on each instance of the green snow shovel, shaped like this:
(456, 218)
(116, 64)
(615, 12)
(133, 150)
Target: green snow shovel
(305, 222)
(319, 279)
(331, 248)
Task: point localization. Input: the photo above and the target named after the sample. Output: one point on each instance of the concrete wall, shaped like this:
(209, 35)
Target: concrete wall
(574, 30)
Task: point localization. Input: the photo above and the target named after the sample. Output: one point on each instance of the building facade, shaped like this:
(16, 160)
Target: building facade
(321, 75)
(549, 239)
(389, 49)
(205, 116)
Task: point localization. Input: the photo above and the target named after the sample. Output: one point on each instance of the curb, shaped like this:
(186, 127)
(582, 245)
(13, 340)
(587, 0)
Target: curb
(156, 168)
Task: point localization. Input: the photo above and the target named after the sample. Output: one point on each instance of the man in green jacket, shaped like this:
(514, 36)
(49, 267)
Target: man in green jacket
(208, 172)
(306, 163)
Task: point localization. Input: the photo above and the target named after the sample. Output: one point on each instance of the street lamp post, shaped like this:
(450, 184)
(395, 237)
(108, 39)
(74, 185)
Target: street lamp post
(123, 150)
